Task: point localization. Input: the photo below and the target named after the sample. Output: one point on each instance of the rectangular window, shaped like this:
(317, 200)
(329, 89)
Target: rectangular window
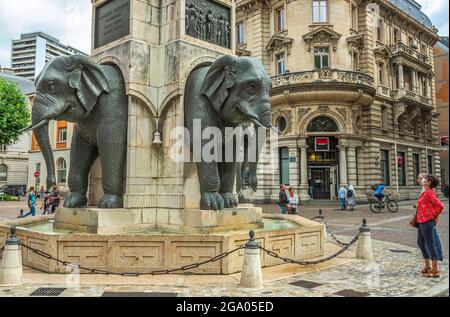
(2, 148)
(321, 57)
(281, 66)
(385, 168)
(240, 33)
(416, 165)
(354, 18)
(284, 166)
(430, 164)
(397, 36)
(380, 30)
(62, 135)
(279, 19)
(381, 74)
(320, 11)
(401, 168)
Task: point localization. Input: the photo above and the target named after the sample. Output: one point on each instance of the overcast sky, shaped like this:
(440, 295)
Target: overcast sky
(70, 21)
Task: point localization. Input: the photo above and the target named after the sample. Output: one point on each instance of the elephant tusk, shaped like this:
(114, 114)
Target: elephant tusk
(31, 127)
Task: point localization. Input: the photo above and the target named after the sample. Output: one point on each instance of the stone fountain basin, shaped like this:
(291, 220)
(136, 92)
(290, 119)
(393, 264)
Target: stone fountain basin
(288, 235)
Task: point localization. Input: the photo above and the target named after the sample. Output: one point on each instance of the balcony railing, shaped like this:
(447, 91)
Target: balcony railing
(399, 48)
(412, 96)
(322, 75)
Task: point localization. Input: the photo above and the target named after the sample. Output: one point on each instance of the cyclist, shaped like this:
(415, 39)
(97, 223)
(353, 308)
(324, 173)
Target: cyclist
(379, 193)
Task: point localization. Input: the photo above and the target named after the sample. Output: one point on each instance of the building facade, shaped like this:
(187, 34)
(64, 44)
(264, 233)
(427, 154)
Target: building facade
(441, 65)
(353, 93)
(32, 51)
(14, 157)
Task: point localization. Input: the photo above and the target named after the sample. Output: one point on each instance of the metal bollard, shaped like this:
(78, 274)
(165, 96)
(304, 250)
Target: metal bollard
(251, 276)
(364, 247)
(11, 271)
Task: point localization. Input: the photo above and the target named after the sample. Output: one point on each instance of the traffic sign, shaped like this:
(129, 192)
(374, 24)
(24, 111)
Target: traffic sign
(37, 174)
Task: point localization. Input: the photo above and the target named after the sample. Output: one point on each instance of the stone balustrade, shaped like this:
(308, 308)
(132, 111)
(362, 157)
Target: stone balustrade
(400, 48)
(322, 75)
(412, 96)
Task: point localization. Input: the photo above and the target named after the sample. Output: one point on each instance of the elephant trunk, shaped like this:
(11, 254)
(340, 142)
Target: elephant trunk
(43, 140)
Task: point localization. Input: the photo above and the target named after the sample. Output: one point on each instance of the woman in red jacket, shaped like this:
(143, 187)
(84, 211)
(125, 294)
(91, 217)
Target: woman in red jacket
(429, 207)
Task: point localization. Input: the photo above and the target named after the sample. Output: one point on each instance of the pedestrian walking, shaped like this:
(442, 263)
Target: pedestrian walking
(31, 203)
(351, 197)
(293, 201)
(429, 207)
(55, 198)
(343, 197)
(283, 201)
(42, 193)
(421, 180)
(311, 188)
(47, 204)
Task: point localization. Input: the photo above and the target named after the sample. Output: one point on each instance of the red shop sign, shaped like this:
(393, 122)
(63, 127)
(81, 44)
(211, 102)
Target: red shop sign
(400, 161)
(322, 144)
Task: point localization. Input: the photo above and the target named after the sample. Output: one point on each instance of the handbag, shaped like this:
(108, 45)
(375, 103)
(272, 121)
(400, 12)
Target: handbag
(413, 221)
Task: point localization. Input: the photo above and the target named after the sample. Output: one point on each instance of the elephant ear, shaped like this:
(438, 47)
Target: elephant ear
(219, 79)
(87, 78)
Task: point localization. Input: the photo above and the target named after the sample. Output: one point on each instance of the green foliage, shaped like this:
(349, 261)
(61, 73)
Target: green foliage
(8, 197)
(14, 113)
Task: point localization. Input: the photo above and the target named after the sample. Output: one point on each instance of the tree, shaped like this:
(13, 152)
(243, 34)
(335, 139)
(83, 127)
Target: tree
(14, 113)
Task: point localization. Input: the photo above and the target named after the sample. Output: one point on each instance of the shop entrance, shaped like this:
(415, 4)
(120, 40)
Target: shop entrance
(320, 179)
(322, 166)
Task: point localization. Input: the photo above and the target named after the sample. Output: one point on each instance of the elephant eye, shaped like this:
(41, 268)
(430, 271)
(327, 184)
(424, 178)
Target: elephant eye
(51, 87)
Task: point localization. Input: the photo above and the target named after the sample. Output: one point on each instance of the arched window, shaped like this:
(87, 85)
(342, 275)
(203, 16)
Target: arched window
(282, 124)
(62, 171)
(3, 173)
(322, 124)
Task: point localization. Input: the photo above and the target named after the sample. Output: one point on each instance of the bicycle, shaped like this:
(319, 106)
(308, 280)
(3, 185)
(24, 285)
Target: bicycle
(378, 206)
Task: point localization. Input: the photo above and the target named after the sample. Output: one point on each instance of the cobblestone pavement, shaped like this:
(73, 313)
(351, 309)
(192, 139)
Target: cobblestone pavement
(390, 274)
(393, 274)
(385, 226)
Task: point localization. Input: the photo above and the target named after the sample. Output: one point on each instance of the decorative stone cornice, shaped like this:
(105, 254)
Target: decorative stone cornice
(322, 35)
(355, 43)
(279, 42)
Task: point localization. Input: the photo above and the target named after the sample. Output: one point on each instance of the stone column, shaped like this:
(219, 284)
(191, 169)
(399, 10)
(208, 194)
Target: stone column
(351, 165)
(414, 81)
(343, 165)
(427, 87)
(400, 77)
(304, 194)
(360, 167)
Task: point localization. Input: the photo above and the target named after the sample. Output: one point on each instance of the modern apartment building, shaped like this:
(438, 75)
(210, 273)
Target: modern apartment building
(353, 93)
(32, 51)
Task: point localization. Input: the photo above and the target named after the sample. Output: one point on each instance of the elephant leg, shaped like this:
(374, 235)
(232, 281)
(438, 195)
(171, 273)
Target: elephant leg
(208, 177)
(227, 173)
(82, 156)
(112, 159)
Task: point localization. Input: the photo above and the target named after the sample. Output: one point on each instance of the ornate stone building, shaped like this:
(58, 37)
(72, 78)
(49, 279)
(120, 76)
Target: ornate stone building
(353, 93)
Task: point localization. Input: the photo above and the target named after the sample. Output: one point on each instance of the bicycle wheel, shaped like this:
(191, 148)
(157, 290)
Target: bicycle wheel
(392, 206)
(375, 208)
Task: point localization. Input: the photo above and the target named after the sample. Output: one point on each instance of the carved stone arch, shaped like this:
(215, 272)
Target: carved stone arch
(196, 63)
(145, 100)
(166, 104)
(286, 114)
(111, 60)
(331, 115)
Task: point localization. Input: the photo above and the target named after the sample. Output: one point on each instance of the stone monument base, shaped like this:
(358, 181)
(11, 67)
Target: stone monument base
(116, 221)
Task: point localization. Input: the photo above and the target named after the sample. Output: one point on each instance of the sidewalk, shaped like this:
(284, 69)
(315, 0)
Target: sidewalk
(393, 273)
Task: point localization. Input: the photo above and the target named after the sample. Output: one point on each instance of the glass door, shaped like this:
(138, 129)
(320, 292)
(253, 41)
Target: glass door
(320, 178)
